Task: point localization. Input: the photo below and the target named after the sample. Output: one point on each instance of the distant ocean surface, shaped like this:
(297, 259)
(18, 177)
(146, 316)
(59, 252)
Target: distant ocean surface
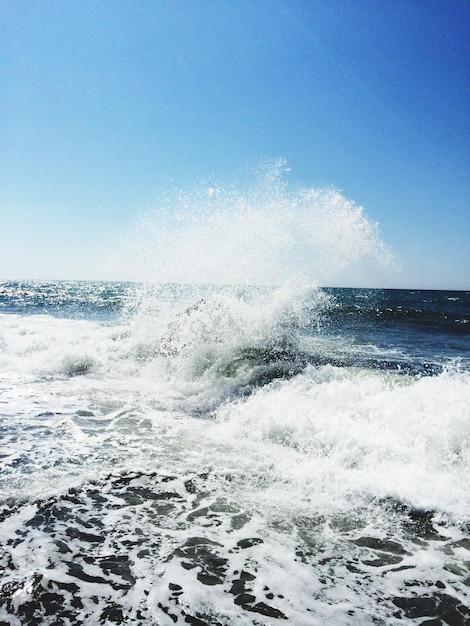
(233, 456)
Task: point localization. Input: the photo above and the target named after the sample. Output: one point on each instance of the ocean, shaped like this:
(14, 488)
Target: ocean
(186, 454)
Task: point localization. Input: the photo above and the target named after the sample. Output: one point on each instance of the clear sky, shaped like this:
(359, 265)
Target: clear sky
(103, 102)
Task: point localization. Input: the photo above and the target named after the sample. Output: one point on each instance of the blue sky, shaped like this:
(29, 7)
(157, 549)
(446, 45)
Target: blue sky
(104, 102)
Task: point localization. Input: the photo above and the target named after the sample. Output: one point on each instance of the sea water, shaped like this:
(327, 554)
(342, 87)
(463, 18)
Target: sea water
(244, 454)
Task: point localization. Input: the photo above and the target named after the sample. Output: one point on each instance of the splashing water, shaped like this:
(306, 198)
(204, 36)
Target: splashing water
(254, 451)
(266, 233)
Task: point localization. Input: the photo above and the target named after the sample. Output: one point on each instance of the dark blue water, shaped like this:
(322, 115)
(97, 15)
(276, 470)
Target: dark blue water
(426, 325)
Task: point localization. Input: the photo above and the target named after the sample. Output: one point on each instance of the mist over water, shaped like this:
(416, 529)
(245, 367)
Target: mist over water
(261, 232)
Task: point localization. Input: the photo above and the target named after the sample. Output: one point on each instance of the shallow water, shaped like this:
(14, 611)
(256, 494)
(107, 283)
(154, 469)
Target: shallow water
(208, 455)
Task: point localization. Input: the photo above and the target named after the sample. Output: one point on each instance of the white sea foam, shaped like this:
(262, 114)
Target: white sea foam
(335, 434)
(344, 436)
(273, 490)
